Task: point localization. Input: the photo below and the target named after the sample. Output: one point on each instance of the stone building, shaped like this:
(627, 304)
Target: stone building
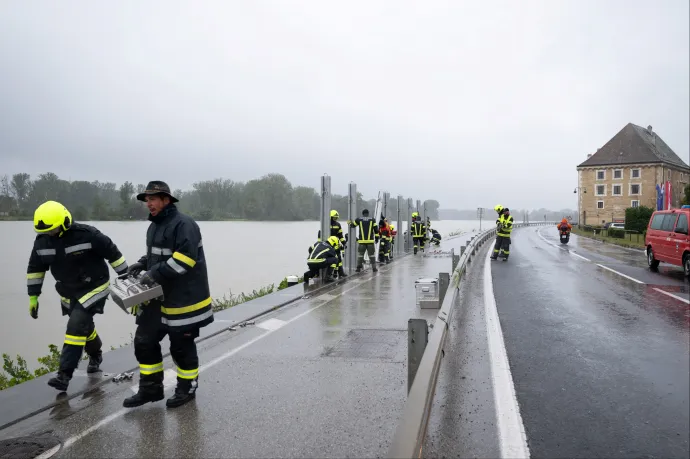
(624, 173)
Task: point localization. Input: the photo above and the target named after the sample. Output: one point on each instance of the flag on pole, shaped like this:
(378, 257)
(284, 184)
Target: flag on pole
(659, 197)
(668, 195)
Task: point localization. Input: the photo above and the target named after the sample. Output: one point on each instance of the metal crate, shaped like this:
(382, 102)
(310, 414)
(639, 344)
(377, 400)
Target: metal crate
(427, 292)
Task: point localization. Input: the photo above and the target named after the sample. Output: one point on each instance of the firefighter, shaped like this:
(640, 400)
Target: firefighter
(418, 233)
(394, 235)
(368, 236)
(322, 255)
(504, 227)
(174, 259)
(435, 237)
(75, 255)
(385, 245)
(337, 231)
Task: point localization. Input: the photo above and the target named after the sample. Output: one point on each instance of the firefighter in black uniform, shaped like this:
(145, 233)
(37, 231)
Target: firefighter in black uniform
(175, 260)
(322, 255)
(75, 255)
(366, 240)
(418, 233)
(337, 231)
(435, 237)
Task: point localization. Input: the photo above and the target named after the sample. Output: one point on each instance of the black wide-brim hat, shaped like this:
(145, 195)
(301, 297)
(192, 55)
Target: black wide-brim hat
(156, 187)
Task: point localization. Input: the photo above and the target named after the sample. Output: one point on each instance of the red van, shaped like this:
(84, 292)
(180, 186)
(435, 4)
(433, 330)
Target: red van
(667, 238)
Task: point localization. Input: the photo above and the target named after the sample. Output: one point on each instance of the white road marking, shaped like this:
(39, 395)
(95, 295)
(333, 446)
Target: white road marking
(108, 419)
(169, 380)
(511, 430)
(620, 274)
(673, 296)
(554, 245)
(271, 324)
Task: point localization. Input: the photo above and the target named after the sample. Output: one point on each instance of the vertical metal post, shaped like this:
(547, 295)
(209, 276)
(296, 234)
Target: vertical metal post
(424, 215)
(325, 212)
(351, 253)
(399, 240)
(408, 244)
(386, 198)
(417, 338)
(443, 283)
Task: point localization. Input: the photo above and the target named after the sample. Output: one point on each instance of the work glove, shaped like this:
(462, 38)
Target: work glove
(135, 269)
(147, 279)
(33, 306)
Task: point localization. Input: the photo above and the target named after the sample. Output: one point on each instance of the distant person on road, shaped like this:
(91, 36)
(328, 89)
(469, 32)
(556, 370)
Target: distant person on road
(367, 237)
(75, 255)
(504, 227)
(175, 260)
(435, 238)
(322, 255)
(564, 225)
(337, 231)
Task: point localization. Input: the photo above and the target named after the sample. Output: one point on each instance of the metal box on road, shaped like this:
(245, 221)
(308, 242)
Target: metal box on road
(426, 292)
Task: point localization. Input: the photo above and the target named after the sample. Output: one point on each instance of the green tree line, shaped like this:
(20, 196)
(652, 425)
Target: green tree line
(271, 197)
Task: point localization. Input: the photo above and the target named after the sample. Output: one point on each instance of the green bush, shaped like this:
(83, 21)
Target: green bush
(17, 373)
(616, 232)
(637, 218)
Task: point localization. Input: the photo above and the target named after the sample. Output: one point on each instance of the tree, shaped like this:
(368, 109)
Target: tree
(432, 208)
(686, 198)
(21, 187)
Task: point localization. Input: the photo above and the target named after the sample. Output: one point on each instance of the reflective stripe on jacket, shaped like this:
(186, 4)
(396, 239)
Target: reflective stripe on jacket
(76, 260)
(507, 225)
(175, 257)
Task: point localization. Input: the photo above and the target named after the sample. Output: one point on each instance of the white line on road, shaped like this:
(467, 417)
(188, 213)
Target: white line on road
(620, 274)
(554, 245)
(672, 295)
(511, 430)
(271, 324)
(108, 419)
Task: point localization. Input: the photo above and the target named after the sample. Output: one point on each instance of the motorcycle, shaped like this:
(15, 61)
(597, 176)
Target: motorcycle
(565, 236)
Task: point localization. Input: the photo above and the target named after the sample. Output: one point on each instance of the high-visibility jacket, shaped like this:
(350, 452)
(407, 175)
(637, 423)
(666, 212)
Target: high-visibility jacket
(385, 232)
(336, 230)
(175, 258)
(368, 230)
(506, 225)
(76, 260)
(320, 251)
(418, 229)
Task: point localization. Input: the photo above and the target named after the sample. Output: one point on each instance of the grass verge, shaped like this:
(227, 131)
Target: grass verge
(637, 241)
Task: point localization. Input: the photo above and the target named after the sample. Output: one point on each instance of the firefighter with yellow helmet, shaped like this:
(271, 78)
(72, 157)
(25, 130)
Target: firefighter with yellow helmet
(322, 255)
(75, 254)
(337, 231)
(504, 226)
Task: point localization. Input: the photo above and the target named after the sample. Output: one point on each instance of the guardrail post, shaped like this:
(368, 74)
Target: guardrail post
(462, 249)
(417, 338)
(443, 283)
(455, 259)
(351, 254)
(325, 213)
(408, 243)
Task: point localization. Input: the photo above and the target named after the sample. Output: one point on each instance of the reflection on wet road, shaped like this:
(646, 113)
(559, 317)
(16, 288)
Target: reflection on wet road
(598, 348)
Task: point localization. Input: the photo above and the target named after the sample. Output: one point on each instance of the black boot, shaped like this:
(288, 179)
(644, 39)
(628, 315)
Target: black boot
(60, 381)
(184, 392)
(94, 363)
(143, 397)
(341, 272)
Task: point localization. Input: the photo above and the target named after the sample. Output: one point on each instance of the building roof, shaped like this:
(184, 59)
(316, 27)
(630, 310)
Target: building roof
(634, 145)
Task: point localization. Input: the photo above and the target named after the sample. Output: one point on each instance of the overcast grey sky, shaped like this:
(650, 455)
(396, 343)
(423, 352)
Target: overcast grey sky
(489, 101)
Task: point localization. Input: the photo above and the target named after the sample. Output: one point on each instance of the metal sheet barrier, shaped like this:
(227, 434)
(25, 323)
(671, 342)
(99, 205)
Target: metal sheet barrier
(351, 252)
(408, 441)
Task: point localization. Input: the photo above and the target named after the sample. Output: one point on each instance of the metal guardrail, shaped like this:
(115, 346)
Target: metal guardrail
(408, 440)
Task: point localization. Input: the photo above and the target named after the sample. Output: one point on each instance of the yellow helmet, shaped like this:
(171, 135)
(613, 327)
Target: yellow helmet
(498, 208)
(335, 214)
(415, 214)
(332, 240)
(392, 227)
(51, 215)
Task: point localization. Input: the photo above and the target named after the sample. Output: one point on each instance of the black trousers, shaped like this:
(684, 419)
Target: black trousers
(80, 336)
(418, 242)
(502, 244)
(147, 349)
(314, 268)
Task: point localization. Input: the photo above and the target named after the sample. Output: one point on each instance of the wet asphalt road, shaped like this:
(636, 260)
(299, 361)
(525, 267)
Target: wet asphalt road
(600, 362)
(324, 377)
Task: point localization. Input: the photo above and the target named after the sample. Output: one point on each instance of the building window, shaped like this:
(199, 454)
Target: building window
(600, 204)
(601, 190)
(635, 189)
(617, 190)
(668, 175)
(634, 203)
(634, 173)
(617, 174)
(601, 175)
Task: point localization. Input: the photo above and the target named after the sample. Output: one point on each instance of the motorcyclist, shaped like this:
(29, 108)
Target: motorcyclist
(564, 229)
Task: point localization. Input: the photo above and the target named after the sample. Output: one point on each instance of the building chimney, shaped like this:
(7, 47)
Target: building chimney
(589, 155)
(649, 128)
